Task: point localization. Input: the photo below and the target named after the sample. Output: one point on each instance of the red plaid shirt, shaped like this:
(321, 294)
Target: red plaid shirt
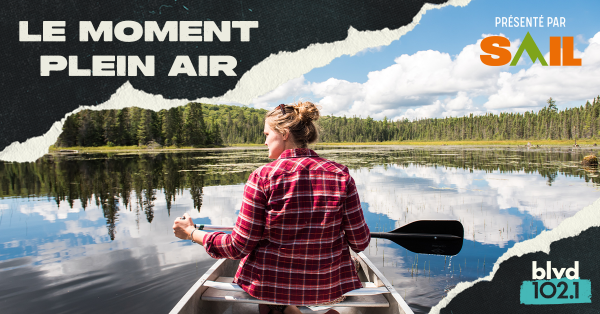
(298, 217)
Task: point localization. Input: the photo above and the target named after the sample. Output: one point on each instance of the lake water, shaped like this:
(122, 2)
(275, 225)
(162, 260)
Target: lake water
(92, 232)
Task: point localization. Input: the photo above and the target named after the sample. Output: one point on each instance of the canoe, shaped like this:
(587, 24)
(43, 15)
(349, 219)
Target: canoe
(214, 293)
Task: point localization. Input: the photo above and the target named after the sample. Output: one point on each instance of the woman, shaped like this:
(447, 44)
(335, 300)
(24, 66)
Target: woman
(299, 215)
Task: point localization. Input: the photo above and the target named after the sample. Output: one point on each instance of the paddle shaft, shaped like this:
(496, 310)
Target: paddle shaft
(440, 237)
(213, 227)
(382, 235)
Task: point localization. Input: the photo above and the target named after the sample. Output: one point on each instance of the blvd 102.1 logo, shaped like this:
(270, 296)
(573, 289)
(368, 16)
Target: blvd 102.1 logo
(504, 56)
(558, 290)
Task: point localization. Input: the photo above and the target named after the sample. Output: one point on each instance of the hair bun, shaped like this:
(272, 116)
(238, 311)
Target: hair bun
(300, 122)
(307, 111)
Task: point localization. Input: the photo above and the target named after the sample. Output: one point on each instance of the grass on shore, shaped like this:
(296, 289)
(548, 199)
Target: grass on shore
(583, 142)
(478, 143)
(83, 149)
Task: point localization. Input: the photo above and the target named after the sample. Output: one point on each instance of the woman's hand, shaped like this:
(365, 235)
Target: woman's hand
(183, 227)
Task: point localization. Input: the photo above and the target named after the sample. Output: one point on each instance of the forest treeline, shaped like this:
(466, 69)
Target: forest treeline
(194, 124)
(201, 125)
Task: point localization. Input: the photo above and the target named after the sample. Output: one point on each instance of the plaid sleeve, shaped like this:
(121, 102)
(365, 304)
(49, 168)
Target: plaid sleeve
(353, 222)
(248, 228)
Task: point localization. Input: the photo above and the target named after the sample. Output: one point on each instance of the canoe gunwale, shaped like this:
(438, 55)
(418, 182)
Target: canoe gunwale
(192, 296)
(393, 296)
(191, 301)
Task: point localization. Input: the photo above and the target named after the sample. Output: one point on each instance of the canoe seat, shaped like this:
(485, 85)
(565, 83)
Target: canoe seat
(223, 290)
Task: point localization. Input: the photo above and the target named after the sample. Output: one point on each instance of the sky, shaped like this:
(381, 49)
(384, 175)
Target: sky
(435, 70)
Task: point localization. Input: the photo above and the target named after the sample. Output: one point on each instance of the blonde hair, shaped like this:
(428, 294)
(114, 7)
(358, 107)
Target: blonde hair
(298, 119)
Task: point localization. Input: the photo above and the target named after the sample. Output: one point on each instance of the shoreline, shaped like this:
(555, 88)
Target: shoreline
(589, 144)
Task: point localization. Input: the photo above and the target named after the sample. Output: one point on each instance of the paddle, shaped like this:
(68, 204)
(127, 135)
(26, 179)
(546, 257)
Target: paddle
(440, 237)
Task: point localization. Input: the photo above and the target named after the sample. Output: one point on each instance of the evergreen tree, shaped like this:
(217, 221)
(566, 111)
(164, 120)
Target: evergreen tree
(551, 105)
(70, 128)
(144, 132)
(194, 128)
(110, 128)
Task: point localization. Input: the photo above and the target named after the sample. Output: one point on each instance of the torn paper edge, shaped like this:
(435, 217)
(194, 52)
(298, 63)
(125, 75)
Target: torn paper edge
(259, 80)
(584, 219)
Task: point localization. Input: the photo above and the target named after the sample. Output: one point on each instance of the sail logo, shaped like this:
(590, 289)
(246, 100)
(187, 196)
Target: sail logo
(493, 45)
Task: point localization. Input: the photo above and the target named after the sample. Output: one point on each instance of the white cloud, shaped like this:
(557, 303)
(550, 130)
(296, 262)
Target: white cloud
(338, 96)
(293, 88)
(529, 88)
(431, 84)
(433, 110)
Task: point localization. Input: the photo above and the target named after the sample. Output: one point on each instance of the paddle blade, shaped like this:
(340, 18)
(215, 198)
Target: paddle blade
(441, 227)
(430, 246)
(440, 237)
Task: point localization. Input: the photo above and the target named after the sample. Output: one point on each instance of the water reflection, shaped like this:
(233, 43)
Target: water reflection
(485, 202)
(78, 228)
